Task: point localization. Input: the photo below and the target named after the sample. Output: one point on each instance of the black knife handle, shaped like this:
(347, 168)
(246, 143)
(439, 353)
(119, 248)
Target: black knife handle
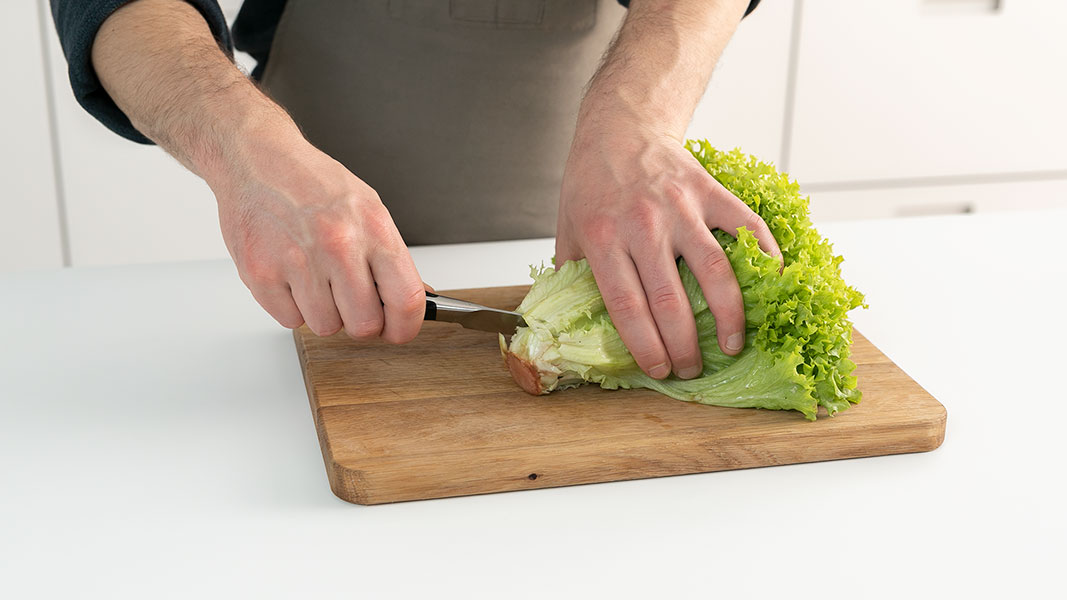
(431, 307)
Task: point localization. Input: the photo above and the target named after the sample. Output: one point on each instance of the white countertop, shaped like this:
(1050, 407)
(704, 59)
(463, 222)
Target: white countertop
(156, 441)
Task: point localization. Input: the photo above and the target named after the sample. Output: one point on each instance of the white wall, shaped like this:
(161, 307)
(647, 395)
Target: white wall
(126, 203)
(880, 108)
(29, 213)
(744, 106)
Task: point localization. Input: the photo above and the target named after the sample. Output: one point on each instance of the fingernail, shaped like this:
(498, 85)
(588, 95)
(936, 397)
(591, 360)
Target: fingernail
(735, 341)
(660, 371)
(689, 372)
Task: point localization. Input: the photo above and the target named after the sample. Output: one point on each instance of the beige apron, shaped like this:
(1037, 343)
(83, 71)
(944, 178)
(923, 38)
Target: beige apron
(460, 113)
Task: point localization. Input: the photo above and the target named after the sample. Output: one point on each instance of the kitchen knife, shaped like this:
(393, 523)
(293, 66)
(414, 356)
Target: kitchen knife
(471, 315)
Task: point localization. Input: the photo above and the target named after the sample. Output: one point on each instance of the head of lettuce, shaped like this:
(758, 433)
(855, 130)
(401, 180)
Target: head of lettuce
(796, 355)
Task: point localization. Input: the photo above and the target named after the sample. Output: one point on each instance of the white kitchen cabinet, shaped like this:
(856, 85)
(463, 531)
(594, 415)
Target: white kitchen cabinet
(891, 90)
(938, 200)
(745, 102)
(29, 214)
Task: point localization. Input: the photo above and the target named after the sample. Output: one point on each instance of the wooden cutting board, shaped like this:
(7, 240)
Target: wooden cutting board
(442, 417)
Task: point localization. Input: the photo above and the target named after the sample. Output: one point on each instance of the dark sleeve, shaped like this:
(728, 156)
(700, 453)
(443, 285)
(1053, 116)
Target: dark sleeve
(77, 22)
(751, 5)
(253, 30)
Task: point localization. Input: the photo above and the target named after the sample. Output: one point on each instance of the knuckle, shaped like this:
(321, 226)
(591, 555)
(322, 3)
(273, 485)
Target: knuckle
(714, 264)
(379, 229)
(335, 238)
(685, 356)
(600, 232)
(648, 355)
(412, 301)
(259, 271)
(753, 222)
(289, 321)
(644, 216)
(400, 335)
(666, 299)
(325, 328)
(364, 329)
(324, 220)
(294, 258)
(338, 246)
(674, 192)
(377, 223)
(627, 305)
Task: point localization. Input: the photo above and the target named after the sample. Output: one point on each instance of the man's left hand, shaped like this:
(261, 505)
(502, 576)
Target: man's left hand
(632, 202)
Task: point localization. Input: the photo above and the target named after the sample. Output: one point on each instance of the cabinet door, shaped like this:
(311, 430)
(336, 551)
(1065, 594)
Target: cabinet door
(126, 203)
(745, 102)
(29, 215)
(897, 90)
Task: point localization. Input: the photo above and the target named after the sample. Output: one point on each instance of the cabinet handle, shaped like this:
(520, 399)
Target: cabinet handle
(961, 7)
(935, 209)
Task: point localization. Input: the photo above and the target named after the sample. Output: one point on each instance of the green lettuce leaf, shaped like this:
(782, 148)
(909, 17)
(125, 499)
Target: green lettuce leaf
(798, 334)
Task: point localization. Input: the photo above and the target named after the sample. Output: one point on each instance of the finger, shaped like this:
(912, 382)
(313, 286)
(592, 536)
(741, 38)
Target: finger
(357, 301)
(315, 300)
(625, 299)
(712, 269)
(278, 301)
(731, 213)
(402, 292)
(428, 287)
(671, 310)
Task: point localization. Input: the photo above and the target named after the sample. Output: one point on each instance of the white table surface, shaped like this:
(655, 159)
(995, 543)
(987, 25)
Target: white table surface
(156, 441)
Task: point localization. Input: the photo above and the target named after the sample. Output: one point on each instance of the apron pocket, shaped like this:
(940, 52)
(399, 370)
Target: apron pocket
(543, 15)
(520, 13)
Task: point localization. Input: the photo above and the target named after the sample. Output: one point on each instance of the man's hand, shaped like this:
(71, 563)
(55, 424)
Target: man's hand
(311, 241)
(314, 243)
(633, 199)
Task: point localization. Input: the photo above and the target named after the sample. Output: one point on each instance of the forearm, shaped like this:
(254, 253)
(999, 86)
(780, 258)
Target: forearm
(160, 63)
(660, 63)
(312, 242)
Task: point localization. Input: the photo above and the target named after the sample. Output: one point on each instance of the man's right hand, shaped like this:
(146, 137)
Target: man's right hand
(314, 243)
(311, 241)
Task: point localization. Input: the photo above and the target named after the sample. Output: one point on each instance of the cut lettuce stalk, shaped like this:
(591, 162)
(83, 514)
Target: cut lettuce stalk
(798, 333)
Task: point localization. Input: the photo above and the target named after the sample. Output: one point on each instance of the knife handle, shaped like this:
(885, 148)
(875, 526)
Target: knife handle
(431, 306)
(443, 308)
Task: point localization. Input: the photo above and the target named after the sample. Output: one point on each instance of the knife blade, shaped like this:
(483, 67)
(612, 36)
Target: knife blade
(471, 315)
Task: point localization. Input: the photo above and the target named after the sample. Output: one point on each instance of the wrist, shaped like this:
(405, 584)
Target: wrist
(234, 128)
(608, 108)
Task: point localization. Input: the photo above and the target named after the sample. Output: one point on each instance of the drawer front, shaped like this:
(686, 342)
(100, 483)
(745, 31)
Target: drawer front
(938, 200)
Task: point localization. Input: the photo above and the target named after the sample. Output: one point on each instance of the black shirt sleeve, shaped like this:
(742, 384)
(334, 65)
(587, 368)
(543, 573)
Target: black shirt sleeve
(77, 22)
(254, 27)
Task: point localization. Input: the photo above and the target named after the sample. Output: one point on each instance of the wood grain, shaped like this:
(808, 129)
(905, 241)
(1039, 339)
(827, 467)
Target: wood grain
(442, 417)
